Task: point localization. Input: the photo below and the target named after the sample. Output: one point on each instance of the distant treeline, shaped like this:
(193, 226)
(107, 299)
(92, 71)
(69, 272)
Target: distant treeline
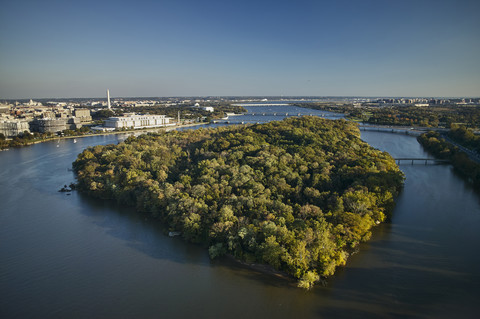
(297, 194)
(431, 116)
(436, 145)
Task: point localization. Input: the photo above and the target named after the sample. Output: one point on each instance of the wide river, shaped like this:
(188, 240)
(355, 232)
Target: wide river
(70, 256)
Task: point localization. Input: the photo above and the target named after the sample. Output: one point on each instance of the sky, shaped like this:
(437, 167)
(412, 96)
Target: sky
(161, 48)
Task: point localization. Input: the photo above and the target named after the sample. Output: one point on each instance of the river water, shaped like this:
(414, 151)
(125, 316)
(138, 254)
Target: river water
(70, 256)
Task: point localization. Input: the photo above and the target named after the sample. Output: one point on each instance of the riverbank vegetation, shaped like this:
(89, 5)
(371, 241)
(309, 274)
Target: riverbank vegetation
(297, 194)
(26, 138)
(431, 116)
(437, 146)
(465, 137)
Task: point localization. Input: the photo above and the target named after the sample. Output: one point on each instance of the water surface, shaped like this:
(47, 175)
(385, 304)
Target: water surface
(70, 256)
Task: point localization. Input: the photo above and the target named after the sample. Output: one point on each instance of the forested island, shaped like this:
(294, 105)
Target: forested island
(297, 194)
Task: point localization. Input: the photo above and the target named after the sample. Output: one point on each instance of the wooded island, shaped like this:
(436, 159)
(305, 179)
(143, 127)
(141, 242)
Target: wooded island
(296, 194)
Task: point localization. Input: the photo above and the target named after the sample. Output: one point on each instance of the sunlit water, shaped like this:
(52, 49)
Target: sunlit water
(70, 256)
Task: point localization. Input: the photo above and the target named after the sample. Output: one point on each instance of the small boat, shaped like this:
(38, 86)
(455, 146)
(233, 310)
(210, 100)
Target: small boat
(74, 141)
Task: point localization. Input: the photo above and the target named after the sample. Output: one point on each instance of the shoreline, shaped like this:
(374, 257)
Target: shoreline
(143, 130)
(261, 268)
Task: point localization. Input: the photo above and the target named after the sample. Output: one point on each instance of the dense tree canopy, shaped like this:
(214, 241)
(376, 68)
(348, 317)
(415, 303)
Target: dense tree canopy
(431, 116)
(465, 137)
(297, 194)
(435, 144)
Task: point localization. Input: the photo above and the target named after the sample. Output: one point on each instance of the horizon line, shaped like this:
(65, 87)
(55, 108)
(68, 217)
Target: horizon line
(251, 96)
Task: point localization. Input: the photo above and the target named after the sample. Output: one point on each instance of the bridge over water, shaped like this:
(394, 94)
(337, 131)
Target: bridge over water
(292, 114)
(261, 104)
(417, 160)
(408, 130)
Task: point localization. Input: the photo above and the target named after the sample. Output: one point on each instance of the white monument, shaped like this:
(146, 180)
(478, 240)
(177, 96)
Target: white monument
(108, 99)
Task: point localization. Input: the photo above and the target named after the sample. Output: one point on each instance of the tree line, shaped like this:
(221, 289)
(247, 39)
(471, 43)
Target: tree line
(436, 145)
(431, 116)
(297, 194)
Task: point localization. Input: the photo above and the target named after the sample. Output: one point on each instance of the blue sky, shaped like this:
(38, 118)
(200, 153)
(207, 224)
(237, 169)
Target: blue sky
(200, 48)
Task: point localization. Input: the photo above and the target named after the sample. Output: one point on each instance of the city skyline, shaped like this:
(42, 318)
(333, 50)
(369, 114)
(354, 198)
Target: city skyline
(308, 48)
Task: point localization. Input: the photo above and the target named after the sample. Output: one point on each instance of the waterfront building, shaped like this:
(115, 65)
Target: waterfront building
(136, 121)
(52, 125)
(12, 128)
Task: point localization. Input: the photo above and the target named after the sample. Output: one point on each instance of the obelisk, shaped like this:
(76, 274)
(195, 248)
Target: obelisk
(108, 99)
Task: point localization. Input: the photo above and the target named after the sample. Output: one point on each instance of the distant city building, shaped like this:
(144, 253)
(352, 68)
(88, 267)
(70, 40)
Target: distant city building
(12, 128)
(48, 115)
(55, 125)
(4, 109)
(33, 103)
(205, 108)
(94, 103)
(137, 121)
(83, 115)
(208, 108)
(49, 125)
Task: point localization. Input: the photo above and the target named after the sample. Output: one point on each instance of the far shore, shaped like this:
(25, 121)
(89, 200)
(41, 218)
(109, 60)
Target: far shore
(153, 129)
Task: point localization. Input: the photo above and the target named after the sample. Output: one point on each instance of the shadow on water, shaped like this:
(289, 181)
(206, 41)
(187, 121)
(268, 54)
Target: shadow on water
(125, 223)
(255, 272)
(141, 232)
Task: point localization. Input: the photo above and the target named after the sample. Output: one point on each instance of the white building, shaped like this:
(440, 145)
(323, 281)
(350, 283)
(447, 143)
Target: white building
(137, 121)
(14, 127)
(208, 108)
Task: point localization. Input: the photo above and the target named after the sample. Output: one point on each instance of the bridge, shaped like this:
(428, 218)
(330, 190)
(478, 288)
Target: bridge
(292, 114)
(416, 160)
(261, 104)
(408, 130)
